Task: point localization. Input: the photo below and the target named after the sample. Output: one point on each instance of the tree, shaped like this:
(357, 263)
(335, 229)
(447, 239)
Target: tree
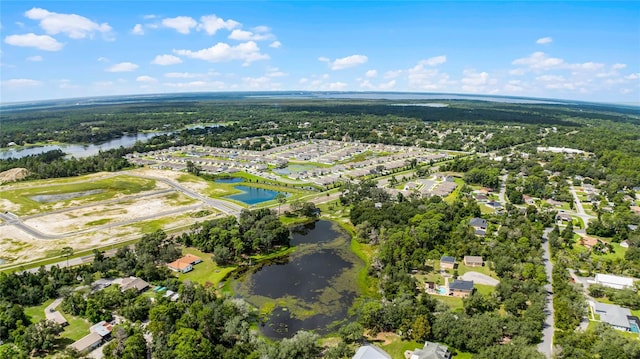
(188, 343)
(40, 337)
(351, 332)
(281, 198)
(421, 328)
(67, 252)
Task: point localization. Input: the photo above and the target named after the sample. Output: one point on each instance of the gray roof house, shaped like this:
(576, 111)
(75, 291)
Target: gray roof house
(478, 223)
(431, 351)
(618, 317)
(371, 352)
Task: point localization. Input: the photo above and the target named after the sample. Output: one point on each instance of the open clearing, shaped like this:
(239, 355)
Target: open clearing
(93, 211)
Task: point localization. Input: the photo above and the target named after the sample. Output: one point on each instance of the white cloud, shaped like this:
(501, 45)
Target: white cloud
(149, 17)
(346, 62)
(337, 86)
(182, 24)
(514, 86)
(181, 75)
(275, 72)
(201, 85)
(477, 81)
(619, 66)
(303, 81)
(145, 78)
(42, 42)
(259, 83)
(221, 52)
(426, 78)
(275, 44)
(392, 74)
(74, 26)
(36, 58)
(21, 83)
(517, 72)
(211, 24)
(166, 60)
(103, 59)
(371, 73)
(544, 40)
(242, 35)
(633, 76)
(122, 67)
(540, 61)
(324, 59)
(387, 85)
(434, 61)
(137, 30)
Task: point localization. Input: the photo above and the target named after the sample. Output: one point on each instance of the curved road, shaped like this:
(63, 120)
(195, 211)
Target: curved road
(225, 207)
(546, 345)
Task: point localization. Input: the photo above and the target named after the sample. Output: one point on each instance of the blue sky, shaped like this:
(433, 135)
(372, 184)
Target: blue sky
(573, 50)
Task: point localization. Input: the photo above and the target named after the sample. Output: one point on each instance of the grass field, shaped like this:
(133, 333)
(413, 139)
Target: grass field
(77, 328)
(110, 187)
(206, 271)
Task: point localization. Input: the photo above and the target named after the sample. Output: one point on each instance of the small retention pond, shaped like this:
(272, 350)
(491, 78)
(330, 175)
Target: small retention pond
(310, 289)
(48, 198)
(253, 195)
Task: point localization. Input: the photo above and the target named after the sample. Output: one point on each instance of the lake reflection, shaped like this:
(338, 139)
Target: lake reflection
(313, 287)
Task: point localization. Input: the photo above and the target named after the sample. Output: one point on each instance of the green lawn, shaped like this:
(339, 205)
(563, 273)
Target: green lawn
(77, 328)
(397, 347)
(618, 252)
(36, 313)
(206, 271)
(484, 289)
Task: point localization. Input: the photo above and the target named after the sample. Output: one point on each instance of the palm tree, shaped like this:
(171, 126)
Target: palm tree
(281, 198)
(67, 251)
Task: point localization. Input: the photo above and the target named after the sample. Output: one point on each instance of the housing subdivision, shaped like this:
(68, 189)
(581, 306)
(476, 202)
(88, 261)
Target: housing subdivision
(319, 162)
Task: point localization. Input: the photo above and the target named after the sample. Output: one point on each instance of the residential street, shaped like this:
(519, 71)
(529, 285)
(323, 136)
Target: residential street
(546, 346)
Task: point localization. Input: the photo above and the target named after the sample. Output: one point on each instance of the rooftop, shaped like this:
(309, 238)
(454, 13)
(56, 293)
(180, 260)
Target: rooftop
(463, 285)
(448, 259)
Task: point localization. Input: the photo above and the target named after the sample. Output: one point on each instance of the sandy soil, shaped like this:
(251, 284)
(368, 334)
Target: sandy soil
(75, 220)
(14, 174)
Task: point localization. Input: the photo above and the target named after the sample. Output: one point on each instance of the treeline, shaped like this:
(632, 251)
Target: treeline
(410, 232)
(229, 239)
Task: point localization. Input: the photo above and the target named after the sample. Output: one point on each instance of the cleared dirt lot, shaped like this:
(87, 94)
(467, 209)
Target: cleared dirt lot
(127, 207)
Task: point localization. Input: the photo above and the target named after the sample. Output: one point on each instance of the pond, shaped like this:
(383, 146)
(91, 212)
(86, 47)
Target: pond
(253, 195)
(293, 168)
(76, 150)
(310, 289)
(230, 180)
(48, 198)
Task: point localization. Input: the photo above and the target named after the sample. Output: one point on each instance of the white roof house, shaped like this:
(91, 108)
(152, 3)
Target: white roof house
(371, 352)
(614, 281)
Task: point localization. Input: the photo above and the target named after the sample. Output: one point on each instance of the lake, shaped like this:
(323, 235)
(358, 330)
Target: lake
(253, 195)
(230, 180)
(310, 289)
(76, 150)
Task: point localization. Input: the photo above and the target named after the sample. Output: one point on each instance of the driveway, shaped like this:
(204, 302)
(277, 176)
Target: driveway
(546, 345)
(479, 278)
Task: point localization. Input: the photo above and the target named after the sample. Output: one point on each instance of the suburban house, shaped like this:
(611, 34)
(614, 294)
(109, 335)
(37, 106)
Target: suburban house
(618, 317)
(447, 262)
(624, 244)
(564, 217)
(614, 281)
(461, 288)
(133, 283)
(99, 333)
(56, 316)
(184, 264)
(371, 352)
(430, 351)
(473, 261)
(478, 223)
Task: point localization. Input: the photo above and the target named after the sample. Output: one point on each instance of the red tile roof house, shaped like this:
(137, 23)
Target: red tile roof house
(184, 264)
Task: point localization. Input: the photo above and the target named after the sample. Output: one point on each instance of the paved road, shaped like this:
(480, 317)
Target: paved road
(578, 206)
(223, 206)
(546, 345)
(503, 190)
